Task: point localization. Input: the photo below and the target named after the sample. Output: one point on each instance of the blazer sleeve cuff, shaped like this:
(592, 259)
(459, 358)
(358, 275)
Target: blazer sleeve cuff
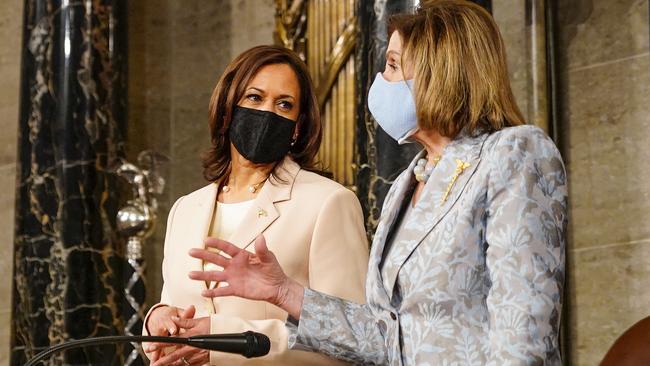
(337, 328)
(302, 333)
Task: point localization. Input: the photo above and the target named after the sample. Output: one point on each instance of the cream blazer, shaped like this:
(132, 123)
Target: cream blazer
(315, 228)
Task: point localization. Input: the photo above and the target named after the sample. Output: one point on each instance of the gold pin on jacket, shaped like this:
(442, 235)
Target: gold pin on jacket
(260, 213)
(460, 167)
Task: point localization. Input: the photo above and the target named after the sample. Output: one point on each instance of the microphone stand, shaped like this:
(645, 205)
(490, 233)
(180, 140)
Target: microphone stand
(248, 344)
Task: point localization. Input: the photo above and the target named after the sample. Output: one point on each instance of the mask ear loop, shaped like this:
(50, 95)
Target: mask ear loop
(296, 133)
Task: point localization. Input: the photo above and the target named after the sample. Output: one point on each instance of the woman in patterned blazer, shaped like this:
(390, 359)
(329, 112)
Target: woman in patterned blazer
(467, 263)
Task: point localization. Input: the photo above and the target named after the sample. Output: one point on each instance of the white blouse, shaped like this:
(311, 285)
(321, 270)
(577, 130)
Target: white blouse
(225, 220)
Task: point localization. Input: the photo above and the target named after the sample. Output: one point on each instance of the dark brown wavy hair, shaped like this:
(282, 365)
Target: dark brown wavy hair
(230, 89)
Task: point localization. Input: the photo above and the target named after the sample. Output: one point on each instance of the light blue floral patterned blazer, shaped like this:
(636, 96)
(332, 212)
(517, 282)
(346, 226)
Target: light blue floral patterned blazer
(478, 275)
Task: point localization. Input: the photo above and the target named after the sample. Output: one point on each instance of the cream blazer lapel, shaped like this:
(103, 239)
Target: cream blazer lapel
(264, 212)
(443, 189)
(194, 235)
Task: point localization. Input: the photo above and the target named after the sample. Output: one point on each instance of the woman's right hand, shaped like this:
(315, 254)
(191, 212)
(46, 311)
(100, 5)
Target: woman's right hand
(251, 276)
(160, 323)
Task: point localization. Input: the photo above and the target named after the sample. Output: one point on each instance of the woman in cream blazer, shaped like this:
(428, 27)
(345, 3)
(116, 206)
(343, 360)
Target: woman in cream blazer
(314, 225)
(325, 251)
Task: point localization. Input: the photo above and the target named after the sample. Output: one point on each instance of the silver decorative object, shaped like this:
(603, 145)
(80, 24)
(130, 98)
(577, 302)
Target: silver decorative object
(136, 221)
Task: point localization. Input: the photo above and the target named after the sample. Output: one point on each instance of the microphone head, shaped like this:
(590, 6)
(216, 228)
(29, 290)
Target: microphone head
(248, 344)
(258, 344)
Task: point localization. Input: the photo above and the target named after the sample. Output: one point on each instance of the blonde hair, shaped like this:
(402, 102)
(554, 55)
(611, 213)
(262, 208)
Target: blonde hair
(460, 71)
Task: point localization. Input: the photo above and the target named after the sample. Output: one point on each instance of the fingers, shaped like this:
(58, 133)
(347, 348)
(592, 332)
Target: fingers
(156, 324)
(175, 356)
(216, 276)
(224, 246)
(184, 323)
(168, 323)
(155, 346)
(261, 250)
(164, 327)
(159, 346)
(200, 358)
(209, 256)
(218, 292)
(154, 356)
(187, 313)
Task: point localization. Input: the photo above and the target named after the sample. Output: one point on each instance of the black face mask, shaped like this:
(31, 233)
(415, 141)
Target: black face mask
(260, 136)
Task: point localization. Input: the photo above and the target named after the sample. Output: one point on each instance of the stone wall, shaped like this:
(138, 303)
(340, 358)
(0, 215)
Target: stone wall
(605, 104)
(11, 16)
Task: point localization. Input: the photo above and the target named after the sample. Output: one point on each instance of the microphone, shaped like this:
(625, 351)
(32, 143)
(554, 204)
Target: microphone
(248, 344)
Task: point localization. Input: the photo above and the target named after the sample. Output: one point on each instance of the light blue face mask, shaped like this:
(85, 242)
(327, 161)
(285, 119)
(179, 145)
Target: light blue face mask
(393, 106)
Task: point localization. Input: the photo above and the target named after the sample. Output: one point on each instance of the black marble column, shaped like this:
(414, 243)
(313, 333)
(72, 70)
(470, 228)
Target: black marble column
(487, 4)
(380, 158)
(68, 268)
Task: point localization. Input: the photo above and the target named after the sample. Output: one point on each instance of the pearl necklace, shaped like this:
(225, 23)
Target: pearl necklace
(253, 188)
(422, 171)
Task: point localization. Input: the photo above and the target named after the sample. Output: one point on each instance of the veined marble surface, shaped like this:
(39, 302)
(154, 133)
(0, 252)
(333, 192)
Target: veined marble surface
(380, 159)
(68, 269)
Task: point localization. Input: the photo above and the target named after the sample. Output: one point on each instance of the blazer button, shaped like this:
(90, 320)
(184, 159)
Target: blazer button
(393, 316)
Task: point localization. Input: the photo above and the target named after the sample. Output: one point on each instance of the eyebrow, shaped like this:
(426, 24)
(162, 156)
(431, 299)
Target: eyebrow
(279, 97)
(389, 52)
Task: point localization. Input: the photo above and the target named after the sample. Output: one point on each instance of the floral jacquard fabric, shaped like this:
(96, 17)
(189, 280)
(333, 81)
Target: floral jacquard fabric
(478, 273)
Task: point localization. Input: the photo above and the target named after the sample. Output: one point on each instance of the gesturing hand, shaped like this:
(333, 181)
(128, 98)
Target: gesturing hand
(252, 276)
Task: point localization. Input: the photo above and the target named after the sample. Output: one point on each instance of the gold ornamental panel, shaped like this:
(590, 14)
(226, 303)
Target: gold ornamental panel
(324, 33)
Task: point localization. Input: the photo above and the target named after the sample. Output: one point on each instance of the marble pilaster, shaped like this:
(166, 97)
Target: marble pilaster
(68, 265)
(380, 159)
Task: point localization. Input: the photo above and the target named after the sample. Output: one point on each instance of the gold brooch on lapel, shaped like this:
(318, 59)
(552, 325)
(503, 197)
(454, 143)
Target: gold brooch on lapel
(261, 213)
(460, 167)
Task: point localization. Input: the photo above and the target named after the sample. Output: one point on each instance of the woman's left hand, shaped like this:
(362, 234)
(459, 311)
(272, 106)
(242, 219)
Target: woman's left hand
(187, 355)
